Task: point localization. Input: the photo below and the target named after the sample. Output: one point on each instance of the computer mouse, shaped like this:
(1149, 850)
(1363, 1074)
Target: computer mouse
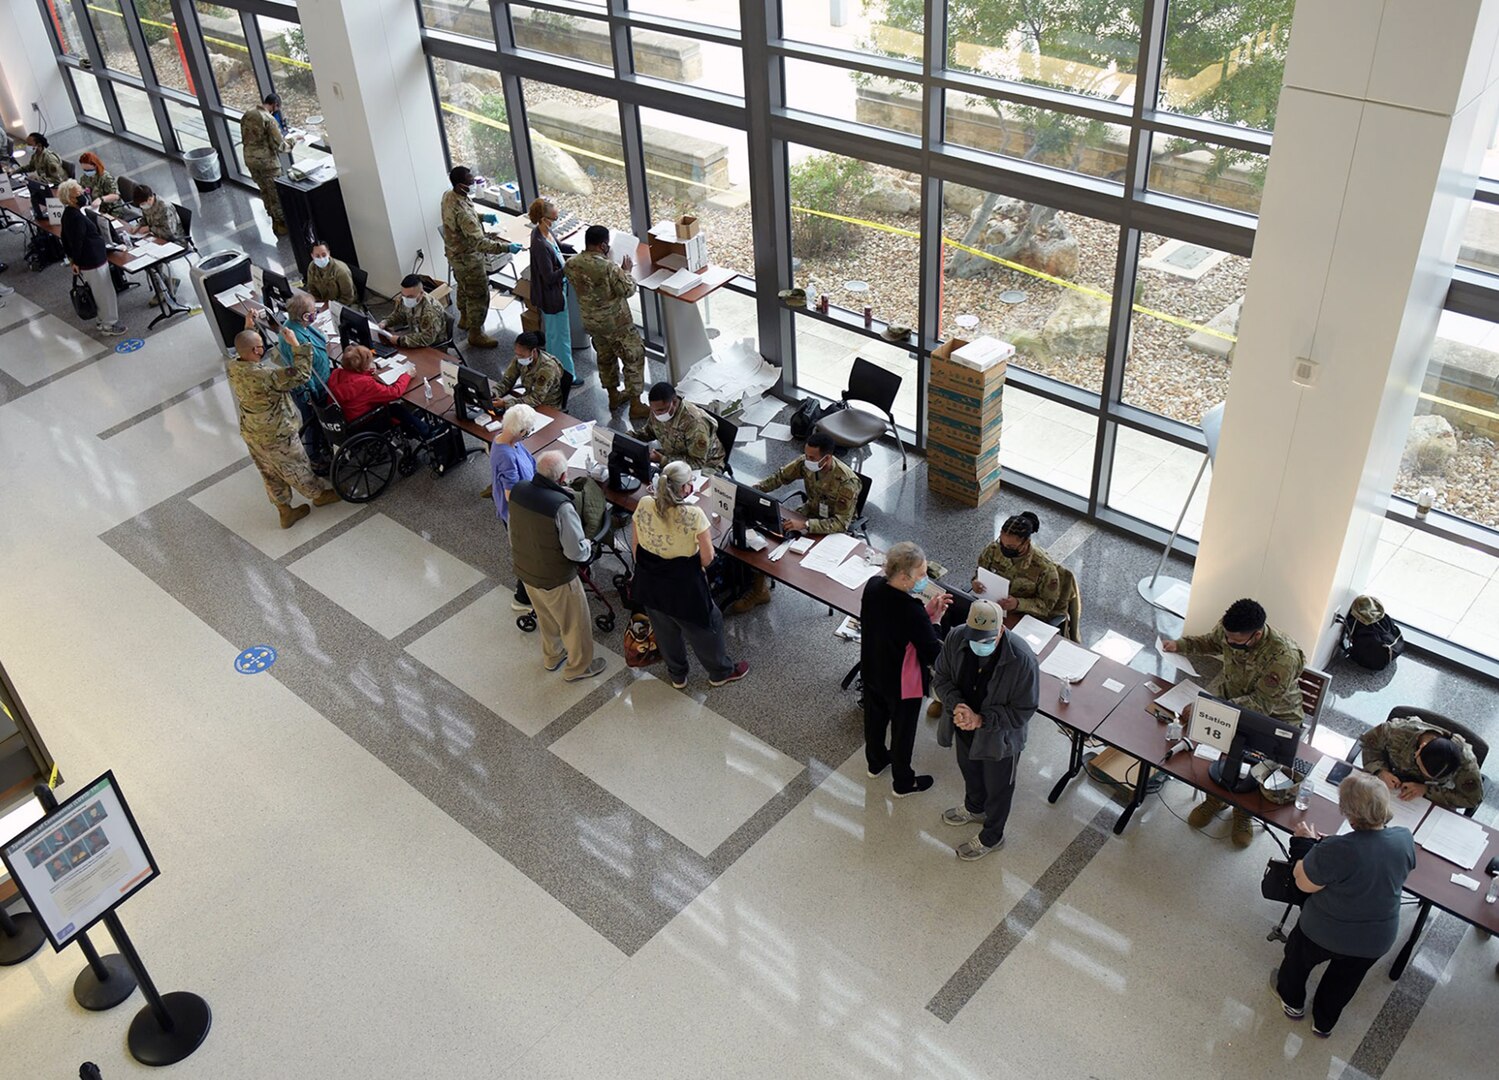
(1493, 867)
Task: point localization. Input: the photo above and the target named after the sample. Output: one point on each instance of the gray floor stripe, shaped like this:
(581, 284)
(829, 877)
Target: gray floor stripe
(985, 960)
(1444, 933)
(1064, 546)
(175, 399)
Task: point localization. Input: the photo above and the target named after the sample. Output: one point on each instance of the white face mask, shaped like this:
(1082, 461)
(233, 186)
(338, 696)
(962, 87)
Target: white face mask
(524, 361)
(322, 261)
(815, 466)
(661, 417)
(410, 301)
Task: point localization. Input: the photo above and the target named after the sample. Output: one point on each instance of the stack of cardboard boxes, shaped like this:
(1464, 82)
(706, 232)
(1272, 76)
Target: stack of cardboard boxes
(964, 415)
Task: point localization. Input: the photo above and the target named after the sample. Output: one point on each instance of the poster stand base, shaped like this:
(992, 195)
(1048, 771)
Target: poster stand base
(24, 942)
(96, 994)
(152, 1044)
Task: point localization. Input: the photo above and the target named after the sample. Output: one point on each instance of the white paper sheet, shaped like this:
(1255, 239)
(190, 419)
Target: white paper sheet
(655, 280)
(802, 544)
(1113, 686)
(1407, 813)
(745, 435)
(853, 573)
(1178, 697)
(763, 411)
(390, 375)
(1177, 661)
(829, 552)
(1035, 632)
(579, 435)
(1117, 647)
(1452, 837)
(779, 432)
(1069, 661)
(1175, 598)
(994, 586)
(581, 458)
(681, 282)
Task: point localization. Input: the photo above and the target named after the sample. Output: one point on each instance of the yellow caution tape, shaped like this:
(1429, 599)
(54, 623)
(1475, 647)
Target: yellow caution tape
(52, 780)
(304, 65)
(1462, 406)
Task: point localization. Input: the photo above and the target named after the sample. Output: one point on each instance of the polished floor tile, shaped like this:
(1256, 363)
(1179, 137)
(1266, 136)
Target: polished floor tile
(16, 308)
(39, 349)
(671, 757)
(481, 651)
(385, 575)
(239, 502)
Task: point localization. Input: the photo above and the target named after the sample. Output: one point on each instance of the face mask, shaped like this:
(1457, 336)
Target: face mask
(464, 189)
(524, 361)
(1009, 552)
(310, 318)
(90, 172)
(1240, 646)
(984, 648)
(322, 261)
(921, 583)
(815, 466)
(411, 301)
(661, 417)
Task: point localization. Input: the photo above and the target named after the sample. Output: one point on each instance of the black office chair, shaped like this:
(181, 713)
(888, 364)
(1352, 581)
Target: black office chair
(70, 168)
(361, 287)
(853, 428)
(447, 344)
(126, 188)
(568, 381)
(727, 430)
(185, 219)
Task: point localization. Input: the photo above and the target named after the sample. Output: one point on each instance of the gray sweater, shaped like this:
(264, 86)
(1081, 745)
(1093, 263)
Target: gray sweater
(1013, 693)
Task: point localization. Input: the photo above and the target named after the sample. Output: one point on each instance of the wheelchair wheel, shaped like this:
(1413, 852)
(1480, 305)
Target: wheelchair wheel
(604, 622)
(410, 460)
(363, 467)
(526, 622)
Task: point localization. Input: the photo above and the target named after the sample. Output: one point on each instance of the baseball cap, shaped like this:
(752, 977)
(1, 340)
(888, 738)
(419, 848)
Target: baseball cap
(984, 618)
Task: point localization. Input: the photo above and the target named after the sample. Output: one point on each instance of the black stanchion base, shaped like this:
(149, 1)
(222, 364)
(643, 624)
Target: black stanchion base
(29, 938)
(96, 995)
(191, 1018)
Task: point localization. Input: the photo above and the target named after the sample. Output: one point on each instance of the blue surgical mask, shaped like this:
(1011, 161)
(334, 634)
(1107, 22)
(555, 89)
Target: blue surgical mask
(90, 172)
(921, 583)
(411, 301)
(322, 261)
(984, 648)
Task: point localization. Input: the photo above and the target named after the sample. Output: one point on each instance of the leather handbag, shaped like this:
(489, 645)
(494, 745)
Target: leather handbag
(640, 642)
(82, 297)
(1278, 884)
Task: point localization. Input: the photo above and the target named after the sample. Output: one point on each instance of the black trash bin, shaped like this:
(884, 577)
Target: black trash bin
(203, 165)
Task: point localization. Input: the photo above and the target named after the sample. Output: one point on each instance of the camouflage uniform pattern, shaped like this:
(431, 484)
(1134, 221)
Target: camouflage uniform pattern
(269, 423)
(161, 220)
(263, 145)
(691, 435)
(47, 166)
(1034, 580)
(832, 493)
(466, 245)
(334, 283)
(603, 289)
(98, 185)
(540, 383)
(1391, 747)
(425, 324)
(1265, 678)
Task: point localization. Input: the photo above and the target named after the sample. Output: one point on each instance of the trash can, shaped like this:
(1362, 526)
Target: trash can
(213, 274)
(203, 165)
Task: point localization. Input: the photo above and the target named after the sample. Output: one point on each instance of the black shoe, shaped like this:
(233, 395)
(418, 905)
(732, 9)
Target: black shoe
(876, 772)
(918, 785)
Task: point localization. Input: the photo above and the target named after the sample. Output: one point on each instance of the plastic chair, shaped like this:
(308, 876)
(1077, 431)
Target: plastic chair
(1314, 689)
(853, 428)
(727, 430)
(361, 287)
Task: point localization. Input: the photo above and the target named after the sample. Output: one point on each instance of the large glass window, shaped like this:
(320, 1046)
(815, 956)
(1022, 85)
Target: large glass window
(65, 27)
(1047, 440)
(472, 103)
(854, 234)
(188, 126)
(1043, 136)
(1036, 276)
(688, 61)
(1152, 479)
(886, 27)
(229, 58)
(575, 144)
(1207, 172)
(825, 355)
(164, 45)
(693, 167)
(1084, 48)
(1226, 61)
(467, 17)
(568, 36)
(114, 42)
(291, 77)
(1183, 327)
(721, 13)
(89, 96)
(135, 111)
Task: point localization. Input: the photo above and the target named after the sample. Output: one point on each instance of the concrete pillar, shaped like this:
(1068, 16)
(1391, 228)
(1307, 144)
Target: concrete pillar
(29, 74)
(1386, 110)
(376, 98)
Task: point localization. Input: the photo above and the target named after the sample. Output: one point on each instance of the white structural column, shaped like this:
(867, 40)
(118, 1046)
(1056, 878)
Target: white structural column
(376, 97)
(1386, 109)
(29, 74)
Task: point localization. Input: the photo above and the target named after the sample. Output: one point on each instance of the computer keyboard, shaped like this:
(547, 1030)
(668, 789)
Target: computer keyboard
(1301, 767)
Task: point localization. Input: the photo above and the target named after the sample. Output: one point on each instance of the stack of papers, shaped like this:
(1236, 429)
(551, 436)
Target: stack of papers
(853, 573)
(237, 294)
(1069, 661)
(656, 279)
(1173, 701)
(391, 374)
(829, 553)
(763, 411)
(1035, 632)
(732, 373)
(579, 435)
(682, 281)
(1453, 837)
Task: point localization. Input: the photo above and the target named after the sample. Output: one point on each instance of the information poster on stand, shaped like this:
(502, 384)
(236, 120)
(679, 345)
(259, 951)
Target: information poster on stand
(80, 861)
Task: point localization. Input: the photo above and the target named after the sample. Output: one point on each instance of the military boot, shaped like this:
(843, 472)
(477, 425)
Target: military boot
(934, 710)
(639, 410)
(290, 515)
(1206, 812)
(463, 320)
(617, 397)
(759, 594)
(478, 339)
(326, 498)
(1243, 834)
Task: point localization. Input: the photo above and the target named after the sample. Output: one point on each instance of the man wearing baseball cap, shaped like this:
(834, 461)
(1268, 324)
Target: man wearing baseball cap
(989, 684)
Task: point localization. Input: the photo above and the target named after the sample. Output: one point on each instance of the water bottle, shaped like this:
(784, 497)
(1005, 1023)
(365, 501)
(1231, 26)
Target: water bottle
(427, 389)
(1304, 794)
(1065, 694)
(1493, 893)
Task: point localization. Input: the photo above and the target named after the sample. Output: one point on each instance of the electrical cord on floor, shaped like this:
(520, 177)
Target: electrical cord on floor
(1173, 813)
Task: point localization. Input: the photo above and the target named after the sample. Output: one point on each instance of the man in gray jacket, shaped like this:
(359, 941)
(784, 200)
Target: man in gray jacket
(989, 684)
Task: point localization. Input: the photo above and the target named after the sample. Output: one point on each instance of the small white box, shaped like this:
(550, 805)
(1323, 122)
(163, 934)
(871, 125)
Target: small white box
(984, 353)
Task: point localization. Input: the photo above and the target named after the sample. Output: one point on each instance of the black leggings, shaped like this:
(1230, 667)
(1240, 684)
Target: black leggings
(1339, 982)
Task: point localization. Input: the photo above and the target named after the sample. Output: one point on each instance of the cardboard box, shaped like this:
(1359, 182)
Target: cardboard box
(963, 436)
(980, 411)
(982, 468)
(969, 492)
(687, 227)
(530, 319)
(983, 353)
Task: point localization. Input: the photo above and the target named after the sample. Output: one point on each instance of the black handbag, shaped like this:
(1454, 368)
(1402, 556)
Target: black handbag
(82, 297)
(1279, 883)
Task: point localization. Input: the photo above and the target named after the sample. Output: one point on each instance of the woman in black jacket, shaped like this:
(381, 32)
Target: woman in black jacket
(84, 245)
(898, 645)
(549, 287)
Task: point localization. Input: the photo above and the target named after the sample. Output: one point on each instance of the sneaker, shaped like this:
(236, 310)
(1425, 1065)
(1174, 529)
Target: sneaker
(558, 664)
(115, 330)
(590, 671)
(517, 605)
(975, 849)
(959, 815)
(741, 669)
(679, 684)
(871, 773)
(1321, 1034)
(1293, 1014)
(920, 784)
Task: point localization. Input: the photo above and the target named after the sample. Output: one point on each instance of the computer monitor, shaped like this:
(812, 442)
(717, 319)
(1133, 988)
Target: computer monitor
(40, 193)
(1257, 737)
(275, 288)
(754, 510)
(354, 328)
(473, 392)
(629, 463)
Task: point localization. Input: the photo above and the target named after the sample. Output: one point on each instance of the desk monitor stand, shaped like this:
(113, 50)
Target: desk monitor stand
(619, 480)
(1231, 764)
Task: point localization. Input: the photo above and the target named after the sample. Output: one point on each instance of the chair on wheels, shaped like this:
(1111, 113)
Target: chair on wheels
(447, 344)
(568, 382)
(361, 287)
(126, 187)
(1476, 742)
(185, 219)
(853, 428)
(727, 431)
(1072, 606)
(858, 525)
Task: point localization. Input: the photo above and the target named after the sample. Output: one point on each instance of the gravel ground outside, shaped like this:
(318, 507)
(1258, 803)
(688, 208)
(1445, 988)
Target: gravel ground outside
(1468, 486)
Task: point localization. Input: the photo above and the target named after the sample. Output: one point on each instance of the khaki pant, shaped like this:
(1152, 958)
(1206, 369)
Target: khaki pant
(562, 615)
(621, 349)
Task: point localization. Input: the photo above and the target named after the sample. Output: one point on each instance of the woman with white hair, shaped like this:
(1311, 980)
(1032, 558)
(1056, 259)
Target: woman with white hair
(673, 549)
(1352, 911)
(85, 247)
(509, 464)
(301, 312)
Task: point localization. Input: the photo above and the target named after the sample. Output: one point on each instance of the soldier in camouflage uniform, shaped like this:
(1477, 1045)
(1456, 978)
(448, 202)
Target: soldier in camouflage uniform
(466, 245)
(832, 498)
(685, 432)
(1035, 584)
(603, 290)
(1415, 758)
(263, 146)
(44, 163)
(418, 319)
(269, 422)
(1261, 672)
(160, 222)
(538, 372)
(329, 278)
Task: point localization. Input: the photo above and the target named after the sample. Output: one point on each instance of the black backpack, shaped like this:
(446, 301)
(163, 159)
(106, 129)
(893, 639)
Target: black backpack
(1370, 637)
(808, 412)
(42, 250)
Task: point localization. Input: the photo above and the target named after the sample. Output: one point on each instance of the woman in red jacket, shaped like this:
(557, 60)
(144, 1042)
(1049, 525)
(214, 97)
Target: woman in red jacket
(359, 391)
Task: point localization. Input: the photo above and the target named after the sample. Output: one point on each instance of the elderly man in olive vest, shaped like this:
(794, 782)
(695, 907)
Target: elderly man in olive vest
(546, 544)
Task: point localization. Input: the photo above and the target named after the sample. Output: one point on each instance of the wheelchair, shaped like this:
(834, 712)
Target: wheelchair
(370, 452)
